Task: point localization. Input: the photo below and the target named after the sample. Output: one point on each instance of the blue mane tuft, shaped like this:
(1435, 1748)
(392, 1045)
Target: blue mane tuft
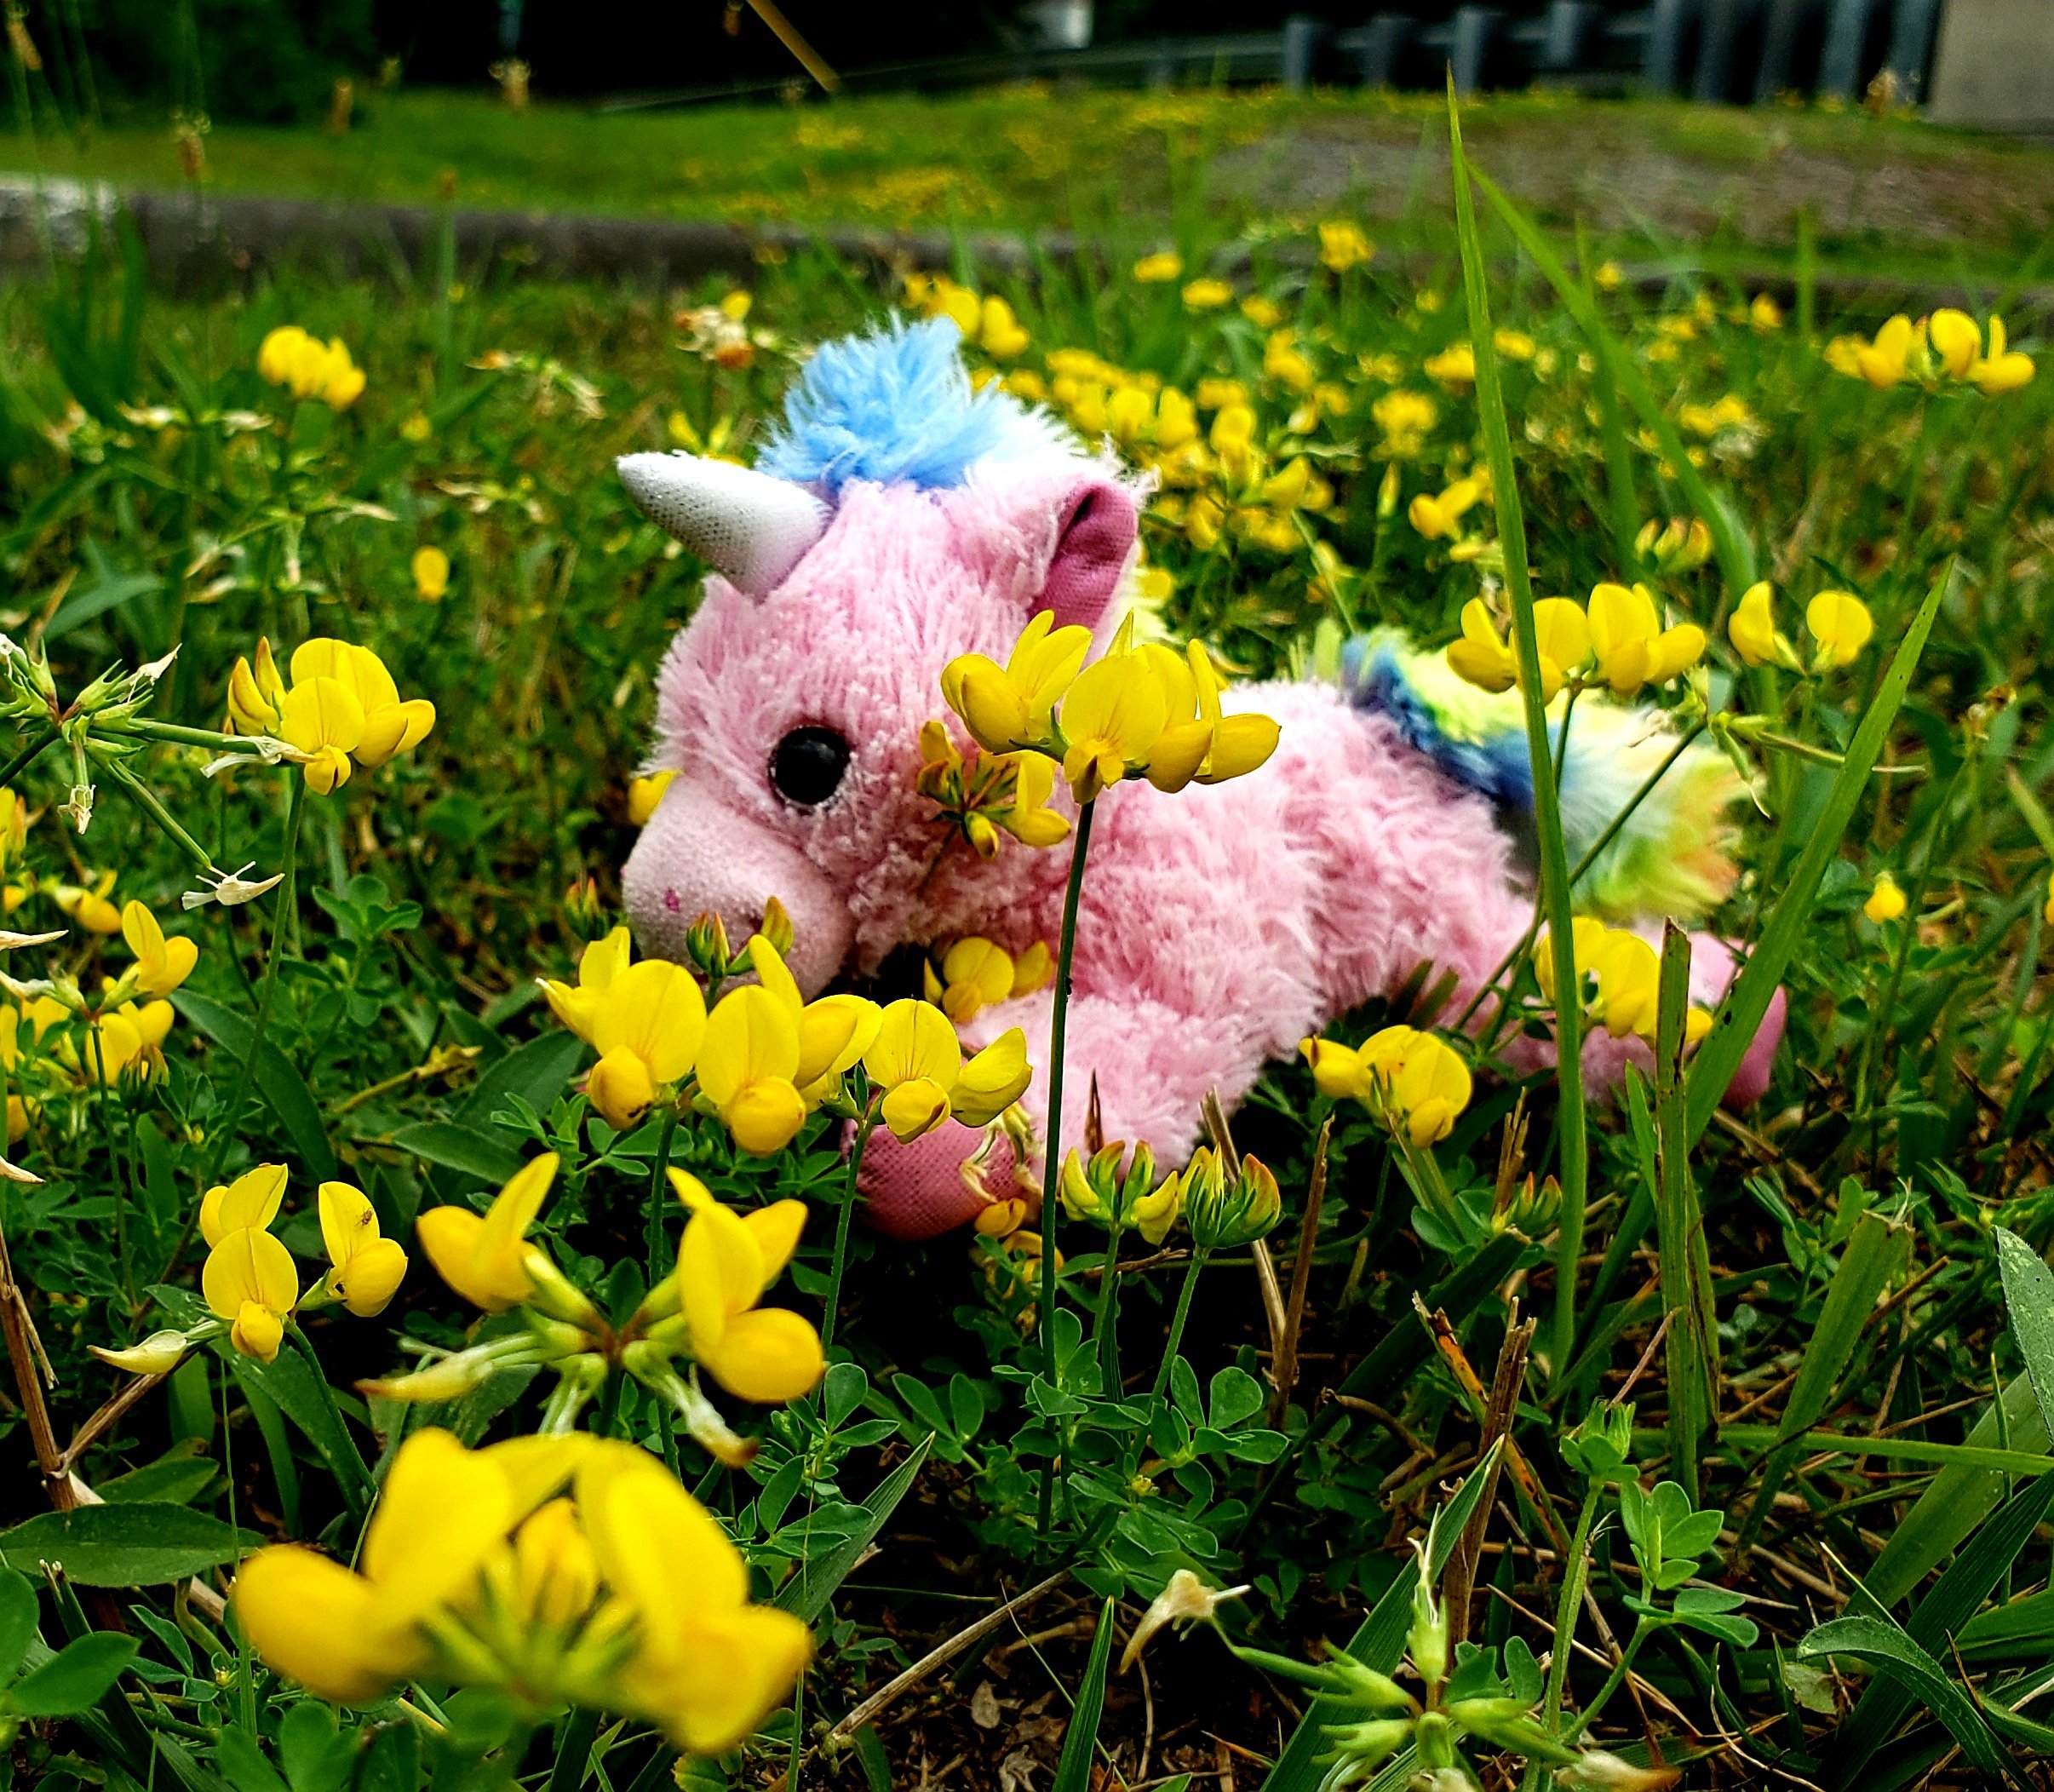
(895, 406)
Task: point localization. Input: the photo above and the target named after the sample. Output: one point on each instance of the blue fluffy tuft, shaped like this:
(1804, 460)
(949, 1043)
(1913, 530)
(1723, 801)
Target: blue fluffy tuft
(1376, 671)
(896, 405)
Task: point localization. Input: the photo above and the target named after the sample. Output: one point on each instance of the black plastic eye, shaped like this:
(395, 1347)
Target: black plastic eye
(807, 767)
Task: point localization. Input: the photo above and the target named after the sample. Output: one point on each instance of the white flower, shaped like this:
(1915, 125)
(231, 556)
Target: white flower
(229, 888)
(1186, 1601)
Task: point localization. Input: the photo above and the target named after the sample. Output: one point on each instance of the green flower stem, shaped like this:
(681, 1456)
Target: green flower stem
(1051, 1165)
(1573, 1145)
(1576, 1576)
(39, 743)
(176, 734)
(657, 1267)
(146, 799)
(842, 1221)
(122, 1177)
(1105, 1322)
(231, 1117)
(1642, 1631)
(1199, 1253)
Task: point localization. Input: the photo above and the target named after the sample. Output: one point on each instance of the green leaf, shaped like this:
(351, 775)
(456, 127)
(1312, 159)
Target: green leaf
(1380, 1641)
(75, 1679)
(1944, 1615)
(807, 1593)
(141, 1544)
(17, 1619)
(1073, 1771)
(283, 1087)
(2029, 1303)
(536, 1072)
(177, 1477)
(1873, 1253)
(484, 1157)
(1882, 1643)
(1746, 1000)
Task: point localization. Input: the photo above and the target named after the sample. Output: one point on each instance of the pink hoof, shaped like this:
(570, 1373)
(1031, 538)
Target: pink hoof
(1751, 1081)
(922, 1189)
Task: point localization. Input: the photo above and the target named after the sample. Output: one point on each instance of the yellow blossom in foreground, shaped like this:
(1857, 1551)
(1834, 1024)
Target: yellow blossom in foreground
(249, 1281)
(598, 965)
(161, 964)
(1414, 1080)
(646, 1028)
(1200, 742)
(725, 1261)
(1840, 625)
(431, 568)
(342, 708)
(1111, 717)
(1886, 902)
(1008, 709)
(351, 1636)
(975, 973)
(2001, 370)
(708, 1665)
(369, 1268)
(1486, 659)
(916, 1060)
(253, 1199)
(484, 1256)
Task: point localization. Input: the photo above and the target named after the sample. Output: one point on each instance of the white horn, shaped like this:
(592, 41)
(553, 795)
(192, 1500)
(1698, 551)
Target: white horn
(744, 524)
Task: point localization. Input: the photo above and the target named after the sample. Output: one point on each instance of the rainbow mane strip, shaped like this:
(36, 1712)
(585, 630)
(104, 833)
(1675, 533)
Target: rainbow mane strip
(1673, 857)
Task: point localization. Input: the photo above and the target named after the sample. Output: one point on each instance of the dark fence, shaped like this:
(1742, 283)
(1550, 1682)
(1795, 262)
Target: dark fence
(1734, 50)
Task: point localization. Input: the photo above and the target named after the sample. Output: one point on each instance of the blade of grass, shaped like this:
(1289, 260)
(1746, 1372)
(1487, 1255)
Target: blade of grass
(1748, 998)
(1874, 1252)
(1380, 1641)
(1735, 554)
(1573, 1145)
(1073, 1771)
(1679, 1225)
(807, 1593)
(2028, 1302)
(1881, 1642)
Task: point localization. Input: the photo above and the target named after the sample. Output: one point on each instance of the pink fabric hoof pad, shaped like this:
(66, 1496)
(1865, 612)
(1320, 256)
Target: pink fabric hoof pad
(914, 1191)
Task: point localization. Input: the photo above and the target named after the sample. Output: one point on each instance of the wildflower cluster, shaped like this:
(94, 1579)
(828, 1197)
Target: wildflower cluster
(1136, 712)
(251, 1282)
(982, 795)
(341, 711)
(1947, 348)
(1411, 1079)
(1620, 638)
(1620, 978)
(1838, 622)
(309, 368)
(476, 1569)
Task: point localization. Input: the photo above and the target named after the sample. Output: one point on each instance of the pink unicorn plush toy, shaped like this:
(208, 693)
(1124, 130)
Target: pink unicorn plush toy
(900, 518)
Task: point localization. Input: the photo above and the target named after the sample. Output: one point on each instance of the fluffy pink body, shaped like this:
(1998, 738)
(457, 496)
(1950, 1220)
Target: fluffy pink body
(1218, 927)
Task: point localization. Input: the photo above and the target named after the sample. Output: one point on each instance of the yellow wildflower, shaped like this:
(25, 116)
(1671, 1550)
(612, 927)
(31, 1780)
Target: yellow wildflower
(89, 907)
(1439, 518)
(1343, 245)
(1158, 269)
(484, 1256)
(1629, 644)
(976, 972)
(249, 1281)
(369, 1268)
(1486, 659)
(1008, 709)
(725, 1261)
(1886, 902)
(646, 1028)
(161, 964)
(431, 567)
(2001, 369)
(1454, 367)
(916, 1060)
(598, 965)
(1751, 628)
(1207, 295)
(1840, 625)
(646, 794)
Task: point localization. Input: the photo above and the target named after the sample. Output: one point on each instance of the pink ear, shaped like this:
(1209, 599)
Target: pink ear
(1092, 553)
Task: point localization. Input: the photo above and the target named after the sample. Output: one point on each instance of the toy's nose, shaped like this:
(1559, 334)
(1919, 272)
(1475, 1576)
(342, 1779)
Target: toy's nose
(698, 856)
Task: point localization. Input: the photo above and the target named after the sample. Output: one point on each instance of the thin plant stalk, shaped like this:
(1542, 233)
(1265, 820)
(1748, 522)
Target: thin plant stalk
(1105, 1323)
(665, 1139)
(842, 1222)
(1051, 1165)
(1613, 1682)
(1199, 1253)
(1575, 1577)
(231, 1117)
(39, 743)
(1572, 1143)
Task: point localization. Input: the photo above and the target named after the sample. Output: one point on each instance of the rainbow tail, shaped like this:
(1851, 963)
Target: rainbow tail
(1673, 854)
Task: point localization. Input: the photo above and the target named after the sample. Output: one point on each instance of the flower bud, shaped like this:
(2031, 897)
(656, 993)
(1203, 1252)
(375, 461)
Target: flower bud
(620, 1088)
(1222, 1211)
(158, 1354)
(706, 947)
(582, 909)
(776, 927)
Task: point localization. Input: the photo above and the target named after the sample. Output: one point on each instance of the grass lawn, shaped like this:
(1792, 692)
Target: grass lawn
(1887, 195)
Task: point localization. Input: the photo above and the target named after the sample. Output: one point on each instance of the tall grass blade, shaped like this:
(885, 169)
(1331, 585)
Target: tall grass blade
(1679, 1227)
(806, 1595)
(1881, 1644)
(1873, 1253)
(1573, 1144)
(1380, 1641)
(1073, 1771)
(2029, 1301)
(1735, 554)
(1747, 1000)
